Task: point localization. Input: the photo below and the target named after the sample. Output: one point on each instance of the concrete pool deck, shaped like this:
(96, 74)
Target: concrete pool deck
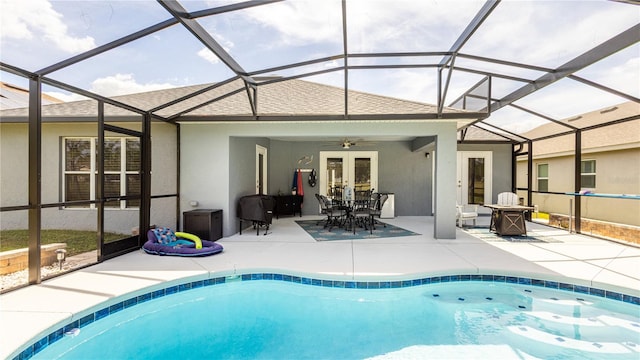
(35, 311)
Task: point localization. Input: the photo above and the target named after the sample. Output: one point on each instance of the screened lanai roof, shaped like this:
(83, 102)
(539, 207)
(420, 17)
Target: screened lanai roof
(507, 66)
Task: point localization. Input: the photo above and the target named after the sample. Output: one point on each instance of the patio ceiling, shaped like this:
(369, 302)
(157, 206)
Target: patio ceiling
(502, 67)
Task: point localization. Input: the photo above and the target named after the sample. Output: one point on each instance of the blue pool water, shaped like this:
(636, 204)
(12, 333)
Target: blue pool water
(284, 320)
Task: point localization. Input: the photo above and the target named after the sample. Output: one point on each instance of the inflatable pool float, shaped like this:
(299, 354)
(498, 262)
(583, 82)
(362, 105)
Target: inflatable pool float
(163, 241)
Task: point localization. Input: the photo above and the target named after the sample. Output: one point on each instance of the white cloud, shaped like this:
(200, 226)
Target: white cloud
(118, 84)
(121, 84)
(22, 20)
(623, 77)
(65, 97)
(301, 21)
(548, 33)
(208, 55)
(393, 25)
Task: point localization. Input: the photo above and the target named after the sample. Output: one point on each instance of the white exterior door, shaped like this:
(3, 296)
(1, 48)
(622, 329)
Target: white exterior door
(356, 169)
(474, 177)
(261, 170)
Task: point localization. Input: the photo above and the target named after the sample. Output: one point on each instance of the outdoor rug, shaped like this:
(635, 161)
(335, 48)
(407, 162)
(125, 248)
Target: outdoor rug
(319, 233)
(483, 233)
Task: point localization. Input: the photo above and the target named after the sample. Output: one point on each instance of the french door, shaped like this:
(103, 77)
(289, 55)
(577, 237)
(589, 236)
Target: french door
(474, 177)
(356, 169)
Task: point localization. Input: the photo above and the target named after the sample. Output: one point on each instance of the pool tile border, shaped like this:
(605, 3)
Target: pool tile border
(58, 334)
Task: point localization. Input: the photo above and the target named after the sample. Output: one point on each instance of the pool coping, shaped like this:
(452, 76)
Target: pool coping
(114, 305)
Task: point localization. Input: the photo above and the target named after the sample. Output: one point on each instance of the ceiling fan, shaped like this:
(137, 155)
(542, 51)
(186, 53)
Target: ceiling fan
(346, 144)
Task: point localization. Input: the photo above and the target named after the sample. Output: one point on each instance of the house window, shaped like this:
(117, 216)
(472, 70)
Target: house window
(121, 168)
(588, 174)
(543, 177)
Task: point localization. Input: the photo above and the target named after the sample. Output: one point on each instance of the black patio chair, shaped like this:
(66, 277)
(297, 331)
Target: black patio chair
(335, 213)
(377, 210)
(363, 208)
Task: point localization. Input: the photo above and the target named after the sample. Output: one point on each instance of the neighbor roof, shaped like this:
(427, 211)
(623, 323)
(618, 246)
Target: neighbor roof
(12, 97)
(623, 135)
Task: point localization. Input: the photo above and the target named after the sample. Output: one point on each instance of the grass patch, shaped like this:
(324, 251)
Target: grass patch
(78, 242)
(541, 215)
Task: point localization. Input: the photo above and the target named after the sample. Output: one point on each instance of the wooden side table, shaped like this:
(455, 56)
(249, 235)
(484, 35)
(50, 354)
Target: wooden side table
(287, 205)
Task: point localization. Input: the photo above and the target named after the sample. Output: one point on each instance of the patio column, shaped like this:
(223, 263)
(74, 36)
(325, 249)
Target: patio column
(35, 168)
(444, 222)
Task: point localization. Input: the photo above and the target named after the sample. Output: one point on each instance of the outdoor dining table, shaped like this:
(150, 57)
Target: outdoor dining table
(350, 207)
(508, 219)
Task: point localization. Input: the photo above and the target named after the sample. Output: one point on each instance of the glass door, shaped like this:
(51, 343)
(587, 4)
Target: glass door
(474, 177)
(261, 170)
(355, 169)
(118, 190)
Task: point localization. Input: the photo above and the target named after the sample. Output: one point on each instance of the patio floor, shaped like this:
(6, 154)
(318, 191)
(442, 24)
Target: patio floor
(35, 310)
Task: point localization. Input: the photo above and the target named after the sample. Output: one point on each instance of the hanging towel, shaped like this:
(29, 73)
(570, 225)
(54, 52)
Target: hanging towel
(294, 184)
(300, 184)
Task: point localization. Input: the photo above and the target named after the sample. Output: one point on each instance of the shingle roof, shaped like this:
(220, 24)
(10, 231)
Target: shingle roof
(618, 136)
(474, 133)
(300, 98)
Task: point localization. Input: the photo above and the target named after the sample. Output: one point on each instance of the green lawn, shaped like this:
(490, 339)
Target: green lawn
(541, 215)
(77, 241)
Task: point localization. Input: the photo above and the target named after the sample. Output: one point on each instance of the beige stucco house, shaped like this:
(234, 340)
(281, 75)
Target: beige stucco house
(610, 166)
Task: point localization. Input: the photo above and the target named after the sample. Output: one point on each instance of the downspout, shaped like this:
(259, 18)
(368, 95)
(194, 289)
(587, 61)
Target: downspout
(514, 164)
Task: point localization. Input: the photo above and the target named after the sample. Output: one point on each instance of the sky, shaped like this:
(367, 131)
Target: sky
(35, 34)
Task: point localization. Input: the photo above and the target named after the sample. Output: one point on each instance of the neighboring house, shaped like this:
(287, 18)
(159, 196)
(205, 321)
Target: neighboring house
(610, 165)
(12, 97)
(214, 160)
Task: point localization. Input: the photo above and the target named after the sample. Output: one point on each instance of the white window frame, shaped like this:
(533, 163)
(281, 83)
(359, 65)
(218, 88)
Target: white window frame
(588, 174)
(538, 177)
(94, 171)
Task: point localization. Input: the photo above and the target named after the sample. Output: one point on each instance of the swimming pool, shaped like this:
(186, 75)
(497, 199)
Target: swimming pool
(287, 319)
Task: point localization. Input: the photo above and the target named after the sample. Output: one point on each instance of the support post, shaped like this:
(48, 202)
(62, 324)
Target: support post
(529, 174)
(145, 179)
(578, 179)
(444, 222)
(100, 182)
(35, 177)
(570, 216)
